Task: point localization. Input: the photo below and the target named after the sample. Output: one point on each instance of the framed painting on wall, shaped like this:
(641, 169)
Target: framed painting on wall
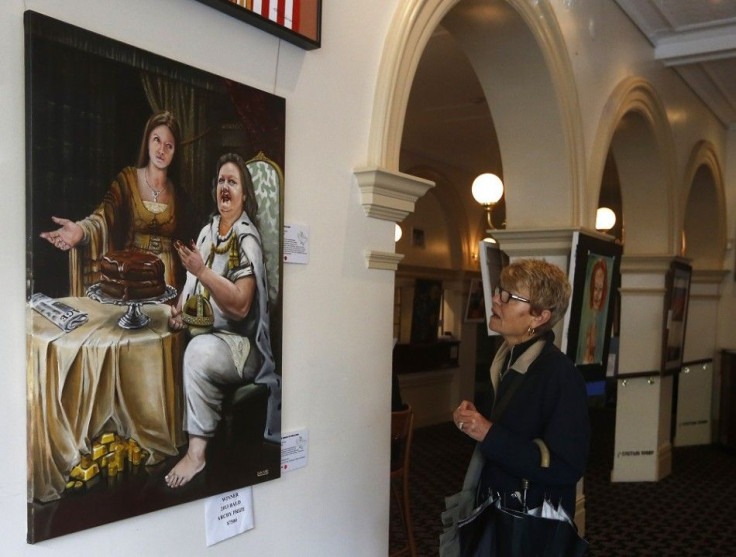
(475, 308)
(426, 310)
(296, 21)
(594, 275)
(132, 157)
(675, 316)
(492, 261)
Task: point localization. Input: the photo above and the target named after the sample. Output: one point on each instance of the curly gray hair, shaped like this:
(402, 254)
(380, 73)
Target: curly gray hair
(546, 283)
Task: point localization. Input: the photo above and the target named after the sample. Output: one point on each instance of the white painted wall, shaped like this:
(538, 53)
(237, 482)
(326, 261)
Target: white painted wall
(337, 321)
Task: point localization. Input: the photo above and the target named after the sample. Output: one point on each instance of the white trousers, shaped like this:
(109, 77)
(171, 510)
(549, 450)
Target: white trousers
(208, 365)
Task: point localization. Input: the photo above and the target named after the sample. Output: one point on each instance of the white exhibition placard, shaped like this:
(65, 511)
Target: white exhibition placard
(296, 243)
(228, 514)
(294, 450)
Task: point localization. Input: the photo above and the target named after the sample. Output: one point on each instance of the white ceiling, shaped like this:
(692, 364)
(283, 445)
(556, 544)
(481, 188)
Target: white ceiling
(697, 38)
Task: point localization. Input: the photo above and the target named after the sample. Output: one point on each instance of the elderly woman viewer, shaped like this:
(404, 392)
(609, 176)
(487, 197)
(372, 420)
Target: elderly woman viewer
(549, 401)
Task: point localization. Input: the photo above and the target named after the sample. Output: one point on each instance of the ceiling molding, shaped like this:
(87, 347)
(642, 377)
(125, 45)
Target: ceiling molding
(696, 38)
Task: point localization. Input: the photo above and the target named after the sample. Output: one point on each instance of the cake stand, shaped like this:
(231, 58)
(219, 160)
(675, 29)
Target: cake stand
(133, 318)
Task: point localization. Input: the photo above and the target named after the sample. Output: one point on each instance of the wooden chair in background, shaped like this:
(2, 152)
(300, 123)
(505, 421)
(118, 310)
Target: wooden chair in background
(401, 434)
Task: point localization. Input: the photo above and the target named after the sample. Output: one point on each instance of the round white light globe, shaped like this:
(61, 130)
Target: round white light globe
(605, 218)
(487, 188)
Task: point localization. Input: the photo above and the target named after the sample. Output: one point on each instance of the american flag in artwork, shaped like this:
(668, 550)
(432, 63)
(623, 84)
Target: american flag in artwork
(284, 12)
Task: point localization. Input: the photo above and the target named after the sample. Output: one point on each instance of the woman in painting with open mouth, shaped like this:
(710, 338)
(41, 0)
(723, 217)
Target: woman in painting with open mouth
(226, 268)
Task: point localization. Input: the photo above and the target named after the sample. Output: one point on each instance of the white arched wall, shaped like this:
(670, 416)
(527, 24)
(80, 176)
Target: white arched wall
(521, 61)
(413, 24)
(634, 126)
(444, 219)
(704, 203)
(542, 125)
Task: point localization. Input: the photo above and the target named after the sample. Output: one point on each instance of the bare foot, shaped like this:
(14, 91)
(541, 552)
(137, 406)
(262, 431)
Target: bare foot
(189, 466)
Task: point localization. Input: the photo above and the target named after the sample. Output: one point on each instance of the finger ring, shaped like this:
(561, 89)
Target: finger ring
(460, 425)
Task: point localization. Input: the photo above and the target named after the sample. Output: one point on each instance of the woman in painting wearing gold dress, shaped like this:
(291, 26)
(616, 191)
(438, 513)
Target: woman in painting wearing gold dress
(141, 211)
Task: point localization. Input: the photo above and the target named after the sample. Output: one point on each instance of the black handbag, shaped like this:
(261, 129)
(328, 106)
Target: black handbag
(477, 532)
(495, 530)
(521, 534)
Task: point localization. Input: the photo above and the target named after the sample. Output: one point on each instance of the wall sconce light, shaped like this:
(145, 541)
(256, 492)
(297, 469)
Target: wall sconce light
(605, 219)
(397, 232)
(487, 189)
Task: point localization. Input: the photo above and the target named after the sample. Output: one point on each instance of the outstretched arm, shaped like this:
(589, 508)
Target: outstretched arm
(66, 237)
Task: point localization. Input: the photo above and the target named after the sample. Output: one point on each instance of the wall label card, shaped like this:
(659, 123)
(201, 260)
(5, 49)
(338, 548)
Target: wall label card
(294, 450)
(296, 243)
(228, 514)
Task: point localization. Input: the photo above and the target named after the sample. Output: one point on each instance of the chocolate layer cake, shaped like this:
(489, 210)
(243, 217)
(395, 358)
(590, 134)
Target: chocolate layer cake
(131, 275)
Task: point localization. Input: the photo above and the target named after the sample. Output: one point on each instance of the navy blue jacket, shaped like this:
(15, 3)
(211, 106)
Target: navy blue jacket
(551, 404)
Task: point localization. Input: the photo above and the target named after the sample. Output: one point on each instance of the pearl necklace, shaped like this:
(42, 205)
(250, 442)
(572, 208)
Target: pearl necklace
(153, 191)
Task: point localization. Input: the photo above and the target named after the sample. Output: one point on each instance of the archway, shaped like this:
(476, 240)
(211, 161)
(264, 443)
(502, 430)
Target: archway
(520, 58)
(636, 135)
(704, 221)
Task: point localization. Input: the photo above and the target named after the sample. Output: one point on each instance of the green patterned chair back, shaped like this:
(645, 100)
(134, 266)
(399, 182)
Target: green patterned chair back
(268, 180)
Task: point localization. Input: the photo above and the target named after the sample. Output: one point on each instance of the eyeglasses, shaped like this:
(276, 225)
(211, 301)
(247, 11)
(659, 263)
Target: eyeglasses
(505, 296)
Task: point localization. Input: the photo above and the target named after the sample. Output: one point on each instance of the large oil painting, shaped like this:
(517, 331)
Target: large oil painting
(154, 196)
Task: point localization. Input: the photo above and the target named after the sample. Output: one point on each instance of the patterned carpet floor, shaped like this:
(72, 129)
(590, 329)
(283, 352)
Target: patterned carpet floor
(691, 512)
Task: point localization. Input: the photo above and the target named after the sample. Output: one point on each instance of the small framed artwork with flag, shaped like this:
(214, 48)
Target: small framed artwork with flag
(296, 21)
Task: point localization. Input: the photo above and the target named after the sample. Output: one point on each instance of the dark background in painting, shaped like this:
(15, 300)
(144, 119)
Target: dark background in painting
(86, 106)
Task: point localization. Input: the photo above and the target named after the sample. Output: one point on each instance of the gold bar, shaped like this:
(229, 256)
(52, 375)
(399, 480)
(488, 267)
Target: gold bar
(98, 451)
(107, 438)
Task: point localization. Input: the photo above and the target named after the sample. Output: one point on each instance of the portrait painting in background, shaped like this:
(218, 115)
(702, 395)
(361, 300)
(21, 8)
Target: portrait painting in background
(678, 298)
(594, 313)
(492, 261)
(426, 309)
(595, 277)
(125, 185)
(475, 309)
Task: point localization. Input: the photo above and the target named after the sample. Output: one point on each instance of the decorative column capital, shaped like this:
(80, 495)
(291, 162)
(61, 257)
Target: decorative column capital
(389, 195)
(538, 242)
(649, 263)
(383, 260)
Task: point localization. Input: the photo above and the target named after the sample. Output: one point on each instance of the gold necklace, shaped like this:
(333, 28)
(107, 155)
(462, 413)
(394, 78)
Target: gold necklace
(230, 246)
